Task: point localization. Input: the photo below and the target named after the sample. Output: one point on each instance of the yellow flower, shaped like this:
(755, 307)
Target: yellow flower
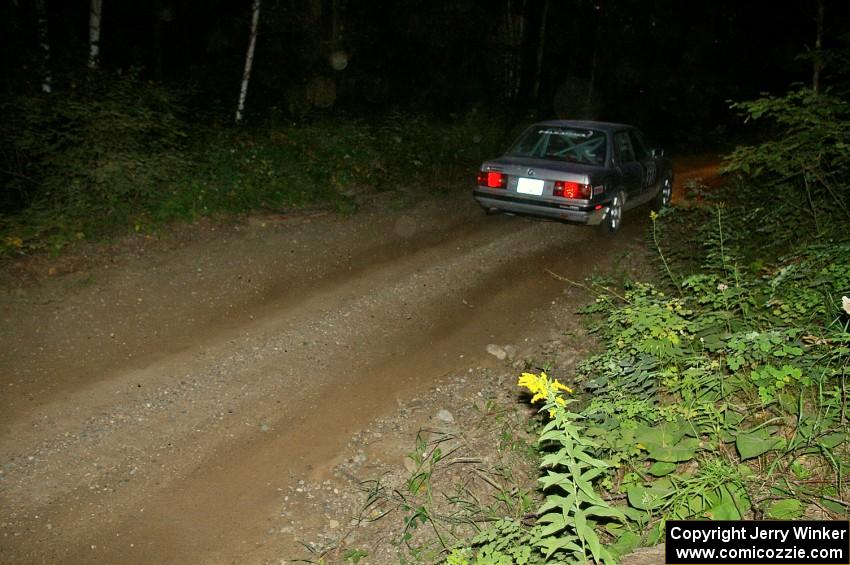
(540, 387)
(536, 385)
(556, 386)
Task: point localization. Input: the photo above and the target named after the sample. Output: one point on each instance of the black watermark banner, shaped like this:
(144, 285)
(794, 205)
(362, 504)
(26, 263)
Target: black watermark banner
(768, 542)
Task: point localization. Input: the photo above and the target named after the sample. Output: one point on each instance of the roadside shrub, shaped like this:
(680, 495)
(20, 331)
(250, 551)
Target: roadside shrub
(114, 154)
(238, 170)
(801, 171)
(83, 161)
(725, 401)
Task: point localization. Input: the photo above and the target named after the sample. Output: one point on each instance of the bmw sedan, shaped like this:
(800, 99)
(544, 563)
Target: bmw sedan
(576, 171)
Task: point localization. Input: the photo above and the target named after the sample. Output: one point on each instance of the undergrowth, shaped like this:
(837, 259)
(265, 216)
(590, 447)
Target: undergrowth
(721, 389)
(113, 154)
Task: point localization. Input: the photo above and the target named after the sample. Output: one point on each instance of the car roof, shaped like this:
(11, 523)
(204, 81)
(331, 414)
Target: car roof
(585, 124)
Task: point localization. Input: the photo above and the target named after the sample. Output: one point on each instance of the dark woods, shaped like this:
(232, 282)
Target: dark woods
(638, 61)
(119, 114)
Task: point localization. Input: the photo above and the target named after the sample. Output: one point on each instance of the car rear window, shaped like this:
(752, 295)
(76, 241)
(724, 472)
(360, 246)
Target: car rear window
(576, 145)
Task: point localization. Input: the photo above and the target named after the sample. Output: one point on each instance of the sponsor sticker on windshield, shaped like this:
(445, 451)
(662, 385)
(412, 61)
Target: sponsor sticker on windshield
(566, 133)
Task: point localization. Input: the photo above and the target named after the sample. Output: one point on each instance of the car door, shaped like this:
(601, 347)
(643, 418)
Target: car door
(630, 167)
(645, 158)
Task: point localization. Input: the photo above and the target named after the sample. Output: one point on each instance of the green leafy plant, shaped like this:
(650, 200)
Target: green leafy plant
(805, 164)
(720, 389)
(354, 555)
(506, 542)
(572, 506)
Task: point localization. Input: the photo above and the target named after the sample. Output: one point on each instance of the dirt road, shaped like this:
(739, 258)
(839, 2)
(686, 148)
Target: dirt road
(153, 406)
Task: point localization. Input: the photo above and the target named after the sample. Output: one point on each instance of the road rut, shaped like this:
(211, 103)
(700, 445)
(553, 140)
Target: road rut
(153, 406)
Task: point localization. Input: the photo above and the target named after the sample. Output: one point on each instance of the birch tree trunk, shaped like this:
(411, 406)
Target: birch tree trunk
(44, 43)
(249, 60)
(95, 11)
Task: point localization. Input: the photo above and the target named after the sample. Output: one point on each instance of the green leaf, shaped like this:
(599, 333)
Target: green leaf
(554, 523)
(725, 510)
(586, 533)
(354, 555)
(833, 506)
(655, 533)
(604, 511)
(551, 478)
(665, 435)
(753, 443)
(785, 509)
(591, 474)
(745, 470)
(832, 441)
(592, 540)
(648, 498)
(635, 515)
(661, 468)
(590, 495)
(694, 506)
(555, 502)
(551, 544)
(683, 451)
(734, 503)
(626, 543)
(732, 419)
(593, 462)
(551, 435)
(554, 459)
(580, 523)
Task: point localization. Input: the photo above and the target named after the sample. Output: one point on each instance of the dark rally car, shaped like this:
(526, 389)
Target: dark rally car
(576, 171)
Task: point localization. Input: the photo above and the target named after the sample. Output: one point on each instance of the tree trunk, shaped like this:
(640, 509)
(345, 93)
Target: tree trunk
(513, 33)
(44, 43)
(336, 33)
(249, 60)
(594, 63)
(157, 39)
(541, 43)
(95, 12)
(8, 17)
(818, 58)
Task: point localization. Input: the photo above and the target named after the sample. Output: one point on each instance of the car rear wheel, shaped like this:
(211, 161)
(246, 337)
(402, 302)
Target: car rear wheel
(614, 216)
(665, 195)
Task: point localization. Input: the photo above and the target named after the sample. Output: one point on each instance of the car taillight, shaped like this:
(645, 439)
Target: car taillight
(567, 189)
(492, 179)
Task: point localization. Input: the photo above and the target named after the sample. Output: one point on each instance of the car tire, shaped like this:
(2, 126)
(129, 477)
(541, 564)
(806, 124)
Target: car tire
(614, 216)
(665, 194)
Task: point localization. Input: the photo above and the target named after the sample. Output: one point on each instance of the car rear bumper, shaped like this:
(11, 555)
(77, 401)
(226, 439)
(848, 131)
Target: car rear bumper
(540, 208)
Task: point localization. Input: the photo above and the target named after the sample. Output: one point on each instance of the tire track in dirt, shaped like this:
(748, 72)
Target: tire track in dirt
(175, 455)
